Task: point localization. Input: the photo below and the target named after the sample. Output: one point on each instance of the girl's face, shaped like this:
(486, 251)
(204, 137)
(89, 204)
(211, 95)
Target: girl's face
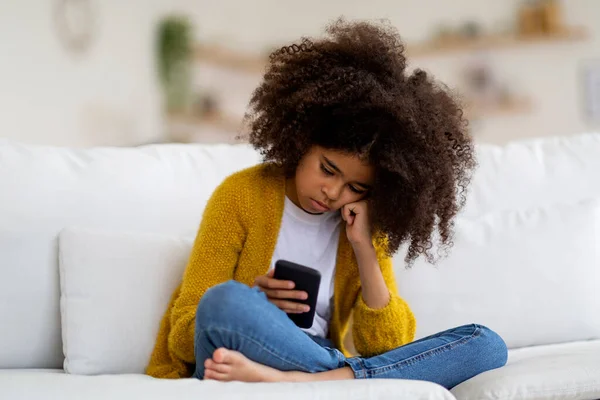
(326, 180)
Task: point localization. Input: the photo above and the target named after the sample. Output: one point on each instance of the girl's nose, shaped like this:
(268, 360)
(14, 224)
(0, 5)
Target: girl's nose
(332, 192)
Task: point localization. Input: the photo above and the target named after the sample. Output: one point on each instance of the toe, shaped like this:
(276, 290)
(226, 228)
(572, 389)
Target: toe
(221, 368)
(220, 355)
(210, 374)
(207, 374)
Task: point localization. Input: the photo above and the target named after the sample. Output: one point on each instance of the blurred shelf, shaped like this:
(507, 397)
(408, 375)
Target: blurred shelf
(256, 63)
(228, 58)
(491, 42)
(513, 108)
(221, 122)
(215, 129)
(222, 129)
(235, 124)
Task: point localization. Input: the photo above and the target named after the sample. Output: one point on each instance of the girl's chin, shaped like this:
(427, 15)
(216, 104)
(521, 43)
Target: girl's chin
(312, 212)
(308, 207)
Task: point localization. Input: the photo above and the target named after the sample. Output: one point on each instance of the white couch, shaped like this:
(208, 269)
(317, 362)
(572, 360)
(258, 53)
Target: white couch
(92, 241)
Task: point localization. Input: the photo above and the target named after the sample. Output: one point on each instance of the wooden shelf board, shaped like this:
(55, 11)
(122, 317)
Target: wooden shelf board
(252, 63)
(516, 107)
(231, 59)
(490, 42)
(223, 129)
(221, 122)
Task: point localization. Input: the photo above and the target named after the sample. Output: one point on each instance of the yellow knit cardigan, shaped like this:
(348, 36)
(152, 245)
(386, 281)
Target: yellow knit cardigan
(236, 240)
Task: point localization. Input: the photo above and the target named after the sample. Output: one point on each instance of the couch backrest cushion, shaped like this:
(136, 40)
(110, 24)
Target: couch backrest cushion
(522, 244)
(115, 289)
(533, 172)
(531, 275)
(163, 189)
(158, 188)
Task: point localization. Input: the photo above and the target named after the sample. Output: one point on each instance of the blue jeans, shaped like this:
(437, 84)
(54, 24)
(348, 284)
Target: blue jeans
(237, 317)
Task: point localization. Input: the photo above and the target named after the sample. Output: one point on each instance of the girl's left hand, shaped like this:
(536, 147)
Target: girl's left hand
(358, 228)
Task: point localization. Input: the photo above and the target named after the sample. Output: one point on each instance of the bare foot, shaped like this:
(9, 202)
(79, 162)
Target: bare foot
(229, 365)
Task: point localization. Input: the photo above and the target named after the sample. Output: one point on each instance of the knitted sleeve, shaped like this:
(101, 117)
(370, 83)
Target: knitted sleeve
(376, 331)
(213, 259)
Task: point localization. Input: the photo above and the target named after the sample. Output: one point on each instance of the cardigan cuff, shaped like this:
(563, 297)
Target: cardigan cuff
(379, 330)
(364, 308)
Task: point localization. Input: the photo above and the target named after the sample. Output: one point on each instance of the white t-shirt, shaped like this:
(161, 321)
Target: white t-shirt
(311, 240)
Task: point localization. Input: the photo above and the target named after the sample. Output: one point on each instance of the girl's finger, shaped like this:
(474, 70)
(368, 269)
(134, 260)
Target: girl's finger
(290, 305)
(265, 282)
(348, 215)
(286, 294)
(260, 281)
(346, 212)
(288, 311)
(279, 284)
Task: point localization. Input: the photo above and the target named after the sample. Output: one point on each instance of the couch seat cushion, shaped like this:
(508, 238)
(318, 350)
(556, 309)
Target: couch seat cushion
(53, 384)
(553, 372)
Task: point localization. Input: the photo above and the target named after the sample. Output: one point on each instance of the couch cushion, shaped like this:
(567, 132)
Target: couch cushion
(531, 275)
(115, 288)
(532, 172)
(158, 188)
(37, 385)
(163, 189)
(565, 371)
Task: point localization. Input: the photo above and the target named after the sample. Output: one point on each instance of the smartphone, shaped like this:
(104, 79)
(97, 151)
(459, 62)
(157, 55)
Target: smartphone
(306, 279)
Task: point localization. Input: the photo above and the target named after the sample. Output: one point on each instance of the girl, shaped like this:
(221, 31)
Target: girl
(359, 157)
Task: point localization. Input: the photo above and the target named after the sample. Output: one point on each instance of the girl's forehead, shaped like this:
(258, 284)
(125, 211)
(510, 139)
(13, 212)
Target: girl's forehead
(342, 156)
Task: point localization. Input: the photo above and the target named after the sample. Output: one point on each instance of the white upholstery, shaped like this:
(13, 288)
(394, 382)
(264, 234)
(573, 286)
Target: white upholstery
(535, 172)
(35, 385)
(115, 288)
(517, 272)
(562, 371)
(162, 189)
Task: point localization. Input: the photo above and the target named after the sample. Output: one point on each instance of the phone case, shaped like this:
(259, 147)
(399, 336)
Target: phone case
(306, 279)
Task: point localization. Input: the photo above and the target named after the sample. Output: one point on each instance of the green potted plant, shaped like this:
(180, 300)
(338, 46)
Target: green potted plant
(174, 50)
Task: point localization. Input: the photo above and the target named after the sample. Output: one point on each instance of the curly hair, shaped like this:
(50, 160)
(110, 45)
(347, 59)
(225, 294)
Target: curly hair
(350, 92)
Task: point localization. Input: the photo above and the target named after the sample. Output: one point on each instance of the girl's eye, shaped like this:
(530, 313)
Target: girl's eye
(352, 188)
(355, 190)
(325, 170)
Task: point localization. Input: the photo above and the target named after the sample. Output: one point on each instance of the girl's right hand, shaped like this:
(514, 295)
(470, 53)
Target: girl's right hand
(280, 292)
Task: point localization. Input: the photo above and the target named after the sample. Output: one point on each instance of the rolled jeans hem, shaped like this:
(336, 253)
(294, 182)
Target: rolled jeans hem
(359, 370)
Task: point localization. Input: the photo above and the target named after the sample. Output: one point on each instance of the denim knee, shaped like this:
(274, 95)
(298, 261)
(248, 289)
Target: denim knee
(221, 303)
(493, 347)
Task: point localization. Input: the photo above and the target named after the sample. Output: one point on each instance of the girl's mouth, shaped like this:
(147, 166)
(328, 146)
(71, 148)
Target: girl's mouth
(319, 206)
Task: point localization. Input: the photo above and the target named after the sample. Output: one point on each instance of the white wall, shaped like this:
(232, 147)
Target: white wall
(108, 95)
(550, 74)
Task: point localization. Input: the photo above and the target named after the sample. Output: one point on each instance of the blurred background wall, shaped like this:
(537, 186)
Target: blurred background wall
(84, 72)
